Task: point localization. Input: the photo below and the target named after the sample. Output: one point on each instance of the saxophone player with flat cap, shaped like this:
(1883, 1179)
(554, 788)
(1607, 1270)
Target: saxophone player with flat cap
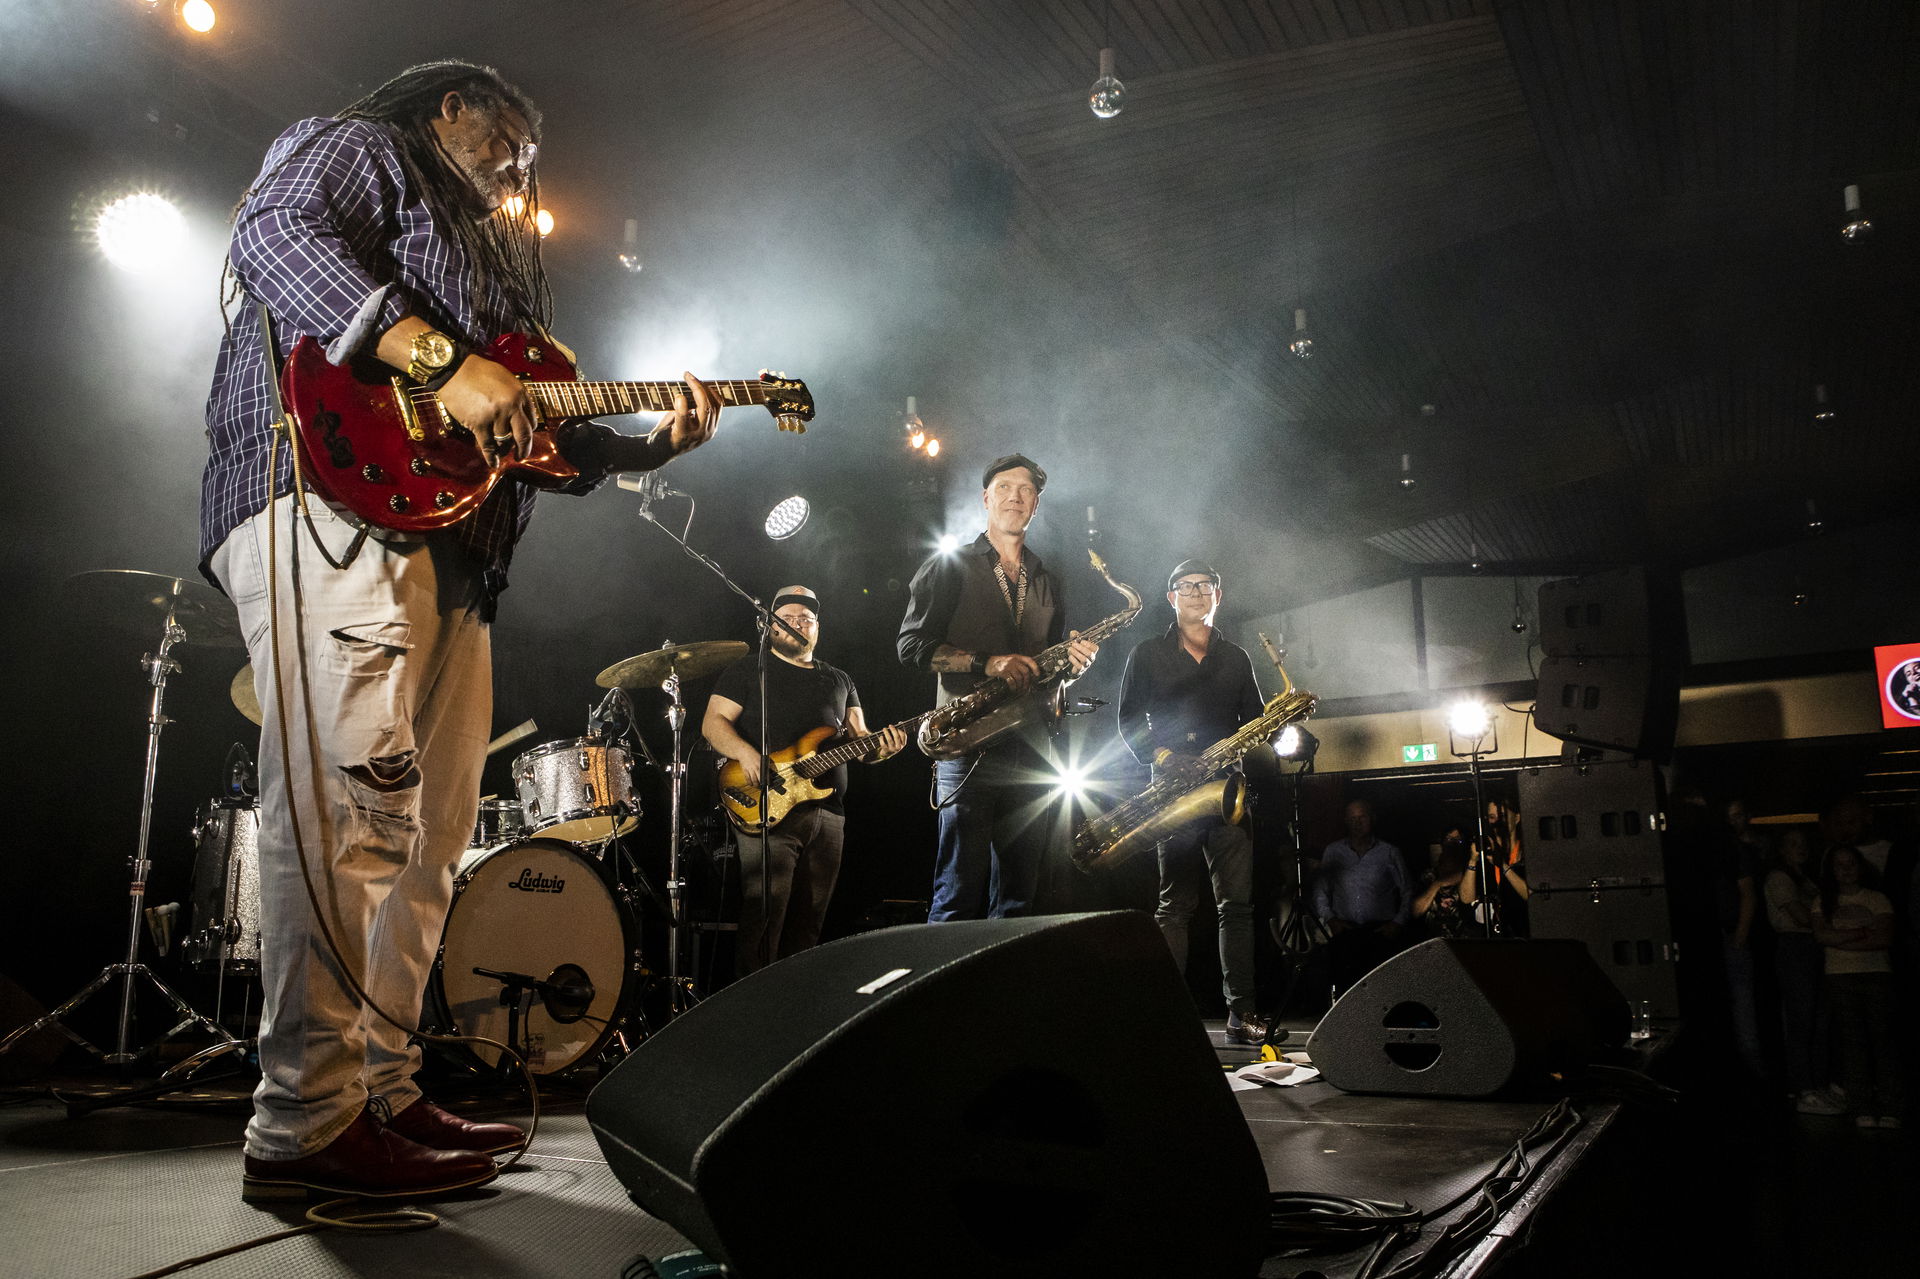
(987, 611)
(1182, 692)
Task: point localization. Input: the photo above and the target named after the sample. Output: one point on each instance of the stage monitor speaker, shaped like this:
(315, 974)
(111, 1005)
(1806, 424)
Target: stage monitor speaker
(1469, 1018)
(1018, 1097)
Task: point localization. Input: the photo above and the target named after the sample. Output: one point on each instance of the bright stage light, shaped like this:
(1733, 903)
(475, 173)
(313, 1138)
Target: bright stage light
(933, 447)
(949, 543)
(198, 15)
(142, 233)
(1469, 720)
(787, 518)
(1072, 782)
(1296, 743)
(543, 223)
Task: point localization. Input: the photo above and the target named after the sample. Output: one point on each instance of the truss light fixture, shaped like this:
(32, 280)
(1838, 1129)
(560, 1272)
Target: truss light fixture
(915, 429)
(629, 256)
(1814, 523)
(1858, 226)
(1406, 472)
(1823, 410)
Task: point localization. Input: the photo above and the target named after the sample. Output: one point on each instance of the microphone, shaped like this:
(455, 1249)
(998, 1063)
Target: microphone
(612, 712)
(649, 486)
(242, 777)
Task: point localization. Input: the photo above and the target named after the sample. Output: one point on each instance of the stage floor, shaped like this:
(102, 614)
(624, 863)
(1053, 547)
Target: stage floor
(123, 1191)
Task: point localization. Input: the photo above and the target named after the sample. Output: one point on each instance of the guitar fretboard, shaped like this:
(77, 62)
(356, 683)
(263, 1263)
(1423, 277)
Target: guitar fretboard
(814, 765)
(592, 399)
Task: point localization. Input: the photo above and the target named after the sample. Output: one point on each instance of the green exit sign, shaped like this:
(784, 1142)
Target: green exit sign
(1422, 753)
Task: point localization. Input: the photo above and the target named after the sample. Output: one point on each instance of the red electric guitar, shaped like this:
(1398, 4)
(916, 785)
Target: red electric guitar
(376, 443)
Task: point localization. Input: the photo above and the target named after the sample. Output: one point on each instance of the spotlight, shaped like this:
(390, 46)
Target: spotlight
(949, 543)
(1823, 411)
(141, 232)
(1406, 471)
(787, 518)
(1296, 743)
(1108, 95)
(915, 429)
(1469, 720)
(933, 446)
(1071, 781)
(629, 257)
(198, 15)
(543, 223)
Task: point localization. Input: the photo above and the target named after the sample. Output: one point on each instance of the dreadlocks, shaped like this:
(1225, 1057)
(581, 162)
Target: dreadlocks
(504, 247)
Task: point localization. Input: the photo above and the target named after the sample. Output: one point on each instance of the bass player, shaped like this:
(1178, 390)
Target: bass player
(803, 846)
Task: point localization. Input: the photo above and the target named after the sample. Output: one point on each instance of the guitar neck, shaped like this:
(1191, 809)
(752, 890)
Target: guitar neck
(597, 399)
(848, 752)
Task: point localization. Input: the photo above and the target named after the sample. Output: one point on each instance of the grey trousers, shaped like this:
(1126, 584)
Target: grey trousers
(385, 685)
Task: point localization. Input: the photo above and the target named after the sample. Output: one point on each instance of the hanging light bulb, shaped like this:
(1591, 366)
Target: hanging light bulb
(933, 447)
(1857, 226)
(543, 222)
(1814, 523)
(198, 15)
(1823, 411)
(1108, 95)
(1302, 344)
(1406, 471)
(629, 256)
(916, 429)
(1473, 553)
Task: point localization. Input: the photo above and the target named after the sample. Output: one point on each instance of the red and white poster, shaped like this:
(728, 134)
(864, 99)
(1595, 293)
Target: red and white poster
(1899, 669)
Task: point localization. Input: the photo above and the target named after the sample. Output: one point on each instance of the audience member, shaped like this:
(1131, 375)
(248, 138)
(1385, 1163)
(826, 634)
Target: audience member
(1791, 895)
(1438, 906)
(1854, 923)
(1363, 896)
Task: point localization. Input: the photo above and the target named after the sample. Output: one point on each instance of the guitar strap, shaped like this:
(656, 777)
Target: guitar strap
(283, 422)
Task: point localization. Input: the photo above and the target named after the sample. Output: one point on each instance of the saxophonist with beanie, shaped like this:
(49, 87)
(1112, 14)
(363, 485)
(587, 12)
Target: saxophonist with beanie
(982, 612)
(1182, 692)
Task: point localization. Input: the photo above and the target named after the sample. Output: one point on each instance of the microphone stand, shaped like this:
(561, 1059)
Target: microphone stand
(767, 620)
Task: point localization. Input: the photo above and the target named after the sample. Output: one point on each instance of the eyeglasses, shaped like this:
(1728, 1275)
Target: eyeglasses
(1194, 588)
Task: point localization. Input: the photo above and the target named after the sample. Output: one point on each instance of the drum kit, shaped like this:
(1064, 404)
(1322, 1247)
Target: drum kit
(555, 974)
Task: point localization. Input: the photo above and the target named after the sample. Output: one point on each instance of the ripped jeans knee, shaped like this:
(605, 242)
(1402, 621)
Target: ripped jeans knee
(384, 794)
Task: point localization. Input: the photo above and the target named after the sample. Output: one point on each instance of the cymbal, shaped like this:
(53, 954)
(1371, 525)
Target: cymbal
(241, 691)
(130, 600)
(688, 661)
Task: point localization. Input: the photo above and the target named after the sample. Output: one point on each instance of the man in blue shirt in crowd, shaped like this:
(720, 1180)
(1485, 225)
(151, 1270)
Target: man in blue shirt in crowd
(1363, 896)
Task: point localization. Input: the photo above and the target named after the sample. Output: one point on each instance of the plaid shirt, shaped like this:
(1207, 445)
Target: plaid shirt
(339, 247)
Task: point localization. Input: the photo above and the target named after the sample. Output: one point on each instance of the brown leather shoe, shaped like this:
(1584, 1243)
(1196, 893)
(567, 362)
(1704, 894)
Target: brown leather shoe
(435, 1129)
(369, 1160)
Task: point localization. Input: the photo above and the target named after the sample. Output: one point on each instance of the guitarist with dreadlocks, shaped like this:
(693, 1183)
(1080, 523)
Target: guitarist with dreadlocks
(380, 233)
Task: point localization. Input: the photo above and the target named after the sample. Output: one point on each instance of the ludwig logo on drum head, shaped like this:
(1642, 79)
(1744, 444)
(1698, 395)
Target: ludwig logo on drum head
(532, 883)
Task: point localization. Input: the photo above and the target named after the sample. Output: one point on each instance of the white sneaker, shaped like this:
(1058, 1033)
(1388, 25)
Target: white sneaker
(1815, 1102)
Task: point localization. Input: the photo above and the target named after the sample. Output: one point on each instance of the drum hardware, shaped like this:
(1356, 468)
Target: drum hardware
(188, 613)
(566, 995)
(665, 668)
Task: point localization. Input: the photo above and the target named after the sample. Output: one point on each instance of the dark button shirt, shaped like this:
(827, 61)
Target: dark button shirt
(799, 700)
(1168, 701)
(956, 599)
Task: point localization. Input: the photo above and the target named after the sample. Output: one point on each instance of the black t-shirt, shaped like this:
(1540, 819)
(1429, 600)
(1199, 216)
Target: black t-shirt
(799, 699)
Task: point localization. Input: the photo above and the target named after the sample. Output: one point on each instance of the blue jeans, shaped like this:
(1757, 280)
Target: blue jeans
(995, 833)
(1224, 853)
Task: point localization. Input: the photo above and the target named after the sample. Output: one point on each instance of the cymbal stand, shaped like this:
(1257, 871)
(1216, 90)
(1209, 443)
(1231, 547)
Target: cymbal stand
(681, 996)
(158, 666)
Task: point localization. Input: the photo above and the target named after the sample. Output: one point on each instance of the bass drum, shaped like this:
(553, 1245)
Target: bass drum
(540, 909)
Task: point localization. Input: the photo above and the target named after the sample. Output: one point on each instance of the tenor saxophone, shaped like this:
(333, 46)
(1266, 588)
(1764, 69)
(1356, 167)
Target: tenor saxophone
(994, 708)
(1188, 788)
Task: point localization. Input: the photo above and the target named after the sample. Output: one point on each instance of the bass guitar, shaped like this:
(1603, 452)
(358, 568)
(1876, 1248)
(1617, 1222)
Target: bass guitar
(383, 447)
(794, 770)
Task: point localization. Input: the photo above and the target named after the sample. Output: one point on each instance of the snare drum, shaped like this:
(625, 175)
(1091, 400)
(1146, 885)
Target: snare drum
(498, 822)
(579, 790)
(225, 895)
(540, 908)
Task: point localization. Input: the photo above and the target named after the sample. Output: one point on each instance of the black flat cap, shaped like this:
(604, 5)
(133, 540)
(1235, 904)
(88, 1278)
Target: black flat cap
(1187, 568)
(1010, 461)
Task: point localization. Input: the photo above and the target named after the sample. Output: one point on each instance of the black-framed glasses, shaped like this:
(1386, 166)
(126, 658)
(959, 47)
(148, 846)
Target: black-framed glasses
(1194, 588)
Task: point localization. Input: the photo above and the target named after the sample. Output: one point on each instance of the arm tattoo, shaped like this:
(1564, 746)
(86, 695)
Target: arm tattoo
(950, 660)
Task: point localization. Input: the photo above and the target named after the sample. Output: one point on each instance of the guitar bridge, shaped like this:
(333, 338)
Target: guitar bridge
(409, 416)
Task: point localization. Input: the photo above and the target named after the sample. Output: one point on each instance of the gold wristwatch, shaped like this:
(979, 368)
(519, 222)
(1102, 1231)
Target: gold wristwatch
(429, 356)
